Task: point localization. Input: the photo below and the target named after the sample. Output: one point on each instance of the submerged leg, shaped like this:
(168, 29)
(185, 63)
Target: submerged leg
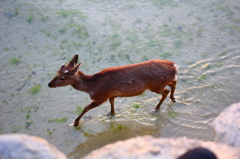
(111, 100)
(164, 95)
(173, 87)
(86, 109)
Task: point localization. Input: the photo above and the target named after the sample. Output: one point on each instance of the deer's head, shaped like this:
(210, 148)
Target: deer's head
(66, 75)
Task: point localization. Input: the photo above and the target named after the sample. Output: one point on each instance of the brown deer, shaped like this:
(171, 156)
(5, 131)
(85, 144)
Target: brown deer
(120, 81)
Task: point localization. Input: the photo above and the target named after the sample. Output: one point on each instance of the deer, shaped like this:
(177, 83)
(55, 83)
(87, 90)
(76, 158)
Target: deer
(120, 81)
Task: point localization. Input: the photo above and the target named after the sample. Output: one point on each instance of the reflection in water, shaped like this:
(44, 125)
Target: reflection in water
(116, 131)
(36, 37)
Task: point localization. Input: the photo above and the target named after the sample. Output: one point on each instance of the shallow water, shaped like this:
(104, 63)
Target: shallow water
(37, 36)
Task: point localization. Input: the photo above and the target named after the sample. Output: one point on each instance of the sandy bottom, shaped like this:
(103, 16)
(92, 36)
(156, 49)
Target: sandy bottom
(37, 36)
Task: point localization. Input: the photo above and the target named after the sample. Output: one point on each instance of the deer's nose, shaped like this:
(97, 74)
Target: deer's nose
(49, 85)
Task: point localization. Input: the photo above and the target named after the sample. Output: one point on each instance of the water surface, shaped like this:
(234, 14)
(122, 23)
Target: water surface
(37, 36)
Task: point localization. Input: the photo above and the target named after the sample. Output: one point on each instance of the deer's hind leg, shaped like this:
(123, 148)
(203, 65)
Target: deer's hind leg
(164, 96)
(173, 87)
(164, 92)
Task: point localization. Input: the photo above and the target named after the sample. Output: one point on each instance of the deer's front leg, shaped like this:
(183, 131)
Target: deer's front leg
(111, 100)
(86, 109)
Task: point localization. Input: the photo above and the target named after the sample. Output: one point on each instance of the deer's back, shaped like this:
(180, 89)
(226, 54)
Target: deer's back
(133, 78)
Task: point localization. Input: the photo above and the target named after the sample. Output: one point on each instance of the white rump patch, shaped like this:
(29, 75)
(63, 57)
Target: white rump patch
(175, 77)
(175, 65)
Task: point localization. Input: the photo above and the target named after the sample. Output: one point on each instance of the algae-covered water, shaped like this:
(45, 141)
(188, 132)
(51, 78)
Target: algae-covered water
(37, 36)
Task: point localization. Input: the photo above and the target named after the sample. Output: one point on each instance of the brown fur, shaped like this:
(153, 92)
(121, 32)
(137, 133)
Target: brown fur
(121, 81)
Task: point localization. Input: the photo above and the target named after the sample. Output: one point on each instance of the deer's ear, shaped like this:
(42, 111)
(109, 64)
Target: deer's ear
(75, 69)
(73, 62)
(62, 67)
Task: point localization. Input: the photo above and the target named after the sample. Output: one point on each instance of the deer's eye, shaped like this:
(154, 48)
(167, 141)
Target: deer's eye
(61, 78)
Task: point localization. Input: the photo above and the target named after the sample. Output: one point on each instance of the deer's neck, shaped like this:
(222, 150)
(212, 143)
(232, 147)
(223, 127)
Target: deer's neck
(83, 82)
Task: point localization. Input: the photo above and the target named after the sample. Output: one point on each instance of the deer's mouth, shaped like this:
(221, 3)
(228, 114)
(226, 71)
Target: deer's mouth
(51, 86)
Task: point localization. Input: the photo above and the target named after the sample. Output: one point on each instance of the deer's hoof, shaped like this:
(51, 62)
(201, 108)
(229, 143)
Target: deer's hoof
(156, 111)
(110, 114)
(173, 100)
(75, 124)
